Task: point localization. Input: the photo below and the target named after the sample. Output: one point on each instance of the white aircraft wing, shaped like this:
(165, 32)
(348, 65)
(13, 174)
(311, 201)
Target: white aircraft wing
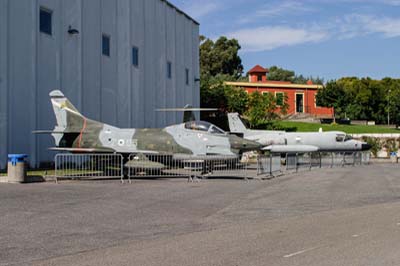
(290, 148)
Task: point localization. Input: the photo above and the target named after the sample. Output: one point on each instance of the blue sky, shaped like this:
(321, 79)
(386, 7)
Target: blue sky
(325, 38)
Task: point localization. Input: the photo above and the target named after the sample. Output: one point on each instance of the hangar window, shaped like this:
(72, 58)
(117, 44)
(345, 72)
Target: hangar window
(187, 76)
(105, 41)
(169, 69)
(135, 56)
(45, 18)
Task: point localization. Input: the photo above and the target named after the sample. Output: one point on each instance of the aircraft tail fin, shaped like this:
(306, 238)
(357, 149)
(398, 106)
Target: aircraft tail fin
(236, 125)
(69, 119)
(188, 115)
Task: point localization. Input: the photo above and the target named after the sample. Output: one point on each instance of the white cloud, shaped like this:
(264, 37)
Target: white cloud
(392, 2)
(349, 26)
(358, 25)
(276, 9)
(198, 9)
(282, 8)
(388, 27)
(268, 38)
(377, 2)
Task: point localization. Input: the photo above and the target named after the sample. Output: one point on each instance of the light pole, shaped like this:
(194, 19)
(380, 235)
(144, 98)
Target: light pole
(388, 108)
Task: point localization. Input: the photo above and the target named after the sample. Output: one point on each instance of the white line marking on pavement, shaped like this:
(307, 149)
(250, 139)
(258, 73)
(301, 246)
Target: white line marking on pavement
(299, 252)
(355, 235)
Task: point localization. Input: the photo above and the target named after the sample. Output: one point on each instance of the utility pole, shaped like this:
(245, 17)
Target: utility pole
(388, 108)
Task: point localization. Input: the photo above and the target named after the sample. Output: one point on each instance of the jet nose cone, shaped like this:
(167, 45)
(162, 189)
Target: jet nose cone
(365, 147)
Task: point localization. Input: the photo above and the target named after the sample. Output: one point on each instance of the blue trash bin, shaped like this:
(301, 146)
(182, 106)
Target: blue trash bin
(16, 168)
(393, 157)
(17, 158)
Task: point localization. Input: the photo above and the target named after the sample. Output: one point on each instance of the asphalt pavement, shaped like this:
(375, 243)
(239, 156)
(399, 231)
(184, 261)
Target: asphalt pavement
(338, 216)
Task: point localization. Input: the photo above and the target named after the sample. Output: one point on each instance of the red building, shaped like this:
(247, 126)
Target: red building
(301, 97)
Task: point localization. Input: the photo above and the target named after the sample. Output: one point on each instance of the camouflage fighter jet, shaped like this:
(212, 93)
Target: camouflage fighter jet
(77, 134)
(297, 142)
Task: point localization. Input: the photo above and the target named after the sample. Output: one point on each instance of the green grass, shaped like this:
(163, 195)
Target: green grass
(350, 129)
(35, 173)
(43, 173)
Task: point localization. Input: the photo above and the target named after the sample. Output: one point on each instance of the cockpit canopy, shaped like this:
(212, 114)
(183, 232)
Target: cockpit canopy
(203, 126)
(343, 137)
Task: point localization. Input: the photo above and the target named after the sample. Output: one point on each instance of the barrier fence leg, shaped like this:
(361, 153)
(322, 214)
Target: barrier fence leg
(320, 160)
(55, 170)
(287, 161)
(344, 159)
(122, 170)
(270, 165)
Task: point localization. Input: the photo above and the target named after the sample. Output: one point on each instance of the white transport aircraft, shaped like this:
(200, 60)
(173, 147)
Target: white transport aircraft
(297, 142)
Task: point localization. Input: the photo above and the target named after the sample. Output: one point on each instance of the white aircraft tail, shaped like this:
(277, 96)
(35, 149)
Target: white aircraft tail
(67, 116)
(236, 125)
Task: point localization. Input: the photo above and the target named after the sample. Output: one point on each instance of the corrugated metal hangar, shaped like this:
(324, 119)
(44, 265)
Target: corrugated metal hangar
(116, 60)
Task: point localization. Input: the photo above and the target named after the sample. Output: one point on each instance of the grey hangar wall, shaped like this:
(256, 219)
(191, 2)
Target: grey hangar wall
(110, 88)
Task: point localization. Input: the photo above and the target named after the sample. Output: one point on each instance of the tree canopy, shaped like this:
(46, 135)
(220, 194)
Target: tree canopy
(363, 99)
(220, 57)
(281, 74)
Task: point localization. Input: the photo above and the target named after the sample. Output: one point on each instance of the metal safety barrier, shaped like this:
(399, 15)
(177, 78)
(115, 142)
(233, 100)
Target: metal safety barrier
(365, 157)
(166, 165)
(95, 166)
(325, 159)
(82, 166)
(269, 164)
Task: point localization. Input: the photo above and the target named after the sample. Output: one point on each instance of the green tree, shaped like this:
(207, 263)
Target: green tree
(220, 57)
(391, 103)
(237, 100)
(363, 99)
(261, 110)
(212, 91)
(257, 109)
(375, 143)
(333, 95)
(280, 74)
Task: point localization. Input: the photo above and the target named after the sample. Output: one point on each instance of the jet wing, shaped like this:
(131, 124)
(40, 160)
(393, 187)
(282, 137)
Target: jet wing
(56, 132)
(99, 150)
(82, 150)
(290, 148)
(141, 162)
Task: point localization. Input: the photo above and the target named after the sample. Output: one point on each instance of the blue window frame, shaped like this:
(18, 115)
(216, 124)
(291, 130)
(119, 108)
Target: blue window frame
(135, 56)
(187, 76)
(169, 69)
(46, 21)
(105, 45)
